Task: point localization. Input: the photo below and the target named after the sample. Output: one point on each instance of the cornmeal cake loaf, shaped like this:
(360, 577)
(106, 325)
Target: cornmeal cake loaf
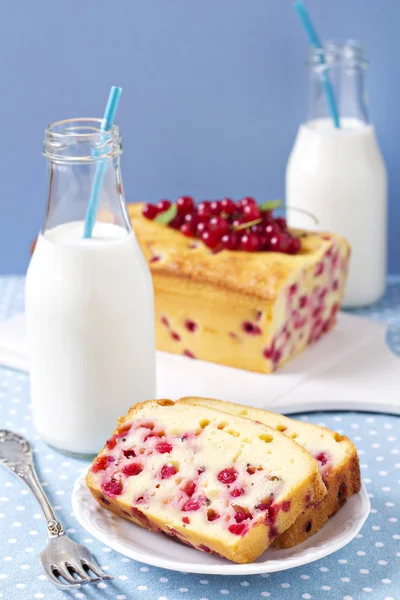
(335, 455)
(246, 309)
(218, 482)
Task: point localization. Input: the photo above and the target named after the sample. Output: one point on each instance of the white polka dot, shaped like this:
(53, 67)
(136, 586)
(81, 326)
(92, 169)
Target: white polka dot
(306, 596)
(390, 504)
(159, 597)
(20, 586)
(123, 577)
(2, 515)
(265, 594)
(393, 519)
(325, 587)
(143, 569)
(38, 595)
(323, 569)
(244, 583)
(79, 595)
(375, 445)
(12, 541)
(20, 507)
(8, 484)
(42, 577)
(101, 585)
(33, 532)
(342, 561)
(60, 493)
(183, 590)
(16, 524)
(285, 585)
(25, 567)
(386, 580)
(382, 473)
(360, 553)
(379, 544)
(379, 458)
(375, 528)
(364, 571)
(202, 581)
(304, 577)
(367, 589)
(123, 597)
(347, 597)
(224, 592)
(345, 579)
(373, 511)
(88, 540)
(24, 492)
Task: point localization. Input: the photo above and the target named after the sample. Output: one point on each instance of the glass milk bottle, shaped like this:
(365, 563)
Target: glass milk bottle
(339, 174)
(89, 302)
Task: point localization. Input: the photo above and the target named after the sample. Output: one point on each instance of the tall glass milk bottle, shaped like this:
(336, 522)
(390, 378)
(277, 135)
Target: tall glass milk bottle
(89, 302)
(339, 174)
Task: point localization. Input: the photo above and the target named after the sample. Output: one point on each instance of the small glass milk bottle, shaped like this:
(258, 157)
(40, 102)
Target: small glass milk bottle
(89, 302)
(339, 174)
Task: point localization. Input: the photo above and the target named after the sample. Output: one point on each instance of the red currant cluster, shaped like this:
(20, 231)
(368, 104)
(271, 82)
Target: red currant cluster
(228, 225)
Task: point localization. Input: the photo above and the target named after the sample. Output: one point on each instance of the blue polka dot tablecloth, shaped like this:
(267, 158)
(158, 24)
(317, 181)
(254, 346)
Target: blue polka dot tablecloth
(368, 568)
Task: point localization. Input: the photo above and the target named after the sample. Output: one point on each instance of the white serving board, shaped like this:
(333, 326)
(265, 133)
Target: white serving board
(350, 369)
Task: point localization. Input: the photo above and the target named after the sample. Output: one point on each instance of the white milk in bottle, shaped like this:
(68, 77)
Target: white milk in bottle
(89, 302)
(339, 174)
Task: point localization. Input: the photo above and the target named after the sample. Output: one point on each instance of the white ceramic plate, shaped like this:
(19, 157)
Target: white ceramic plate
(161, 551)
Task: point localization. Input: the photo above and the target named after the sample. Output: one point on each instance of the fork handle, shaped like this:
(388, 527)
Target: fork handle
(30, 478)
(16, 455)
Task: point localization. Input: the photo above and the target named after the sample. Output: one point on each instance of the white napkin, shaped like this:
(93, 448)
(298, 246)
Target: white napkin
(351, 368)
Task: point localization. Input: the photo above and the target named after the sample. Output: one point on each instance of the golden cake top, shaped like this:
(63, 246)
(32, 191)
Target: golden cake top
(259, 274)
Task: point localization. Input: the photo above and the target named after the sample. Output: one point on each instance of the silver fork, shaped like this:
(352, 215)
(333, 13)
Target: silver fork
(66, 563)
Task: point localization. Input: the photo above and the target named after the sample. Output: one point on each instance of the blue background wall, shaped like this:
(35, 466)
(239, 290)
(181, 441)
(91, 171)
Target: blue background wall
(213, 95)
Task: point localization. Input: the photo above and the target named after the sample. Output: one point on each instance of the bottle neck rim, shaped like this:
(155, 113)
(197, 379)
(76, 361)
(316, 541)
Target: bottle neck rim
(81, 140)
(335, 54)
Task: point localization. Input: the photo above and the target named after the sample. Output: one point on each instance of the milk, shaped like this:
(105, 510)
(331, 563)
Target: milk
(90, 325)
(340, 177)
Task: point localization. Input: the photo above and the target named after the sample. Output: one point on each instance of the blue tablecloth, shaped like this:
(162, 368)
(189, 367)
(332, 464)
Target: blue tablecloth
(368, 568)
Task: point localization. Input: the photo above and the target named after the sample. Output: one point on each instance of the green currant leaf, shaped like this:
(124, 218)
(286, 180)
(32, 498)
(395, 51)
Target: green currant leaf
(167, 216)
(269, 205)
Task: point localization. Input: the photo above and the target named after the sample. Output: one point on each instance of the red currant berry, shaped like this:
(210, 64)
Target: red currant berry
(230, 241)
(216, 207)
(185, 205)
(150, 211)
(204, 211)
(251, 212)
(281, 222)
(163, 205)
(267, 216)
(192, 218)
(188, 229)
(271, 230)
(249, 242)
(211, 239)
(201, 228)
(219, 225)
(228, 206)
(246, 201)
(258, 229)
(176, 222)
(293, 246)
(278, 243)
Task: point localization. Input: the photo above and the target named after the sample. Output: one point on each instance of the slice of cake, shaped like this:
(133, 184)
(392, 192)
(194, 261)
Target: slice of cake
(218, 482)
(233, 298)
(335, 455)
